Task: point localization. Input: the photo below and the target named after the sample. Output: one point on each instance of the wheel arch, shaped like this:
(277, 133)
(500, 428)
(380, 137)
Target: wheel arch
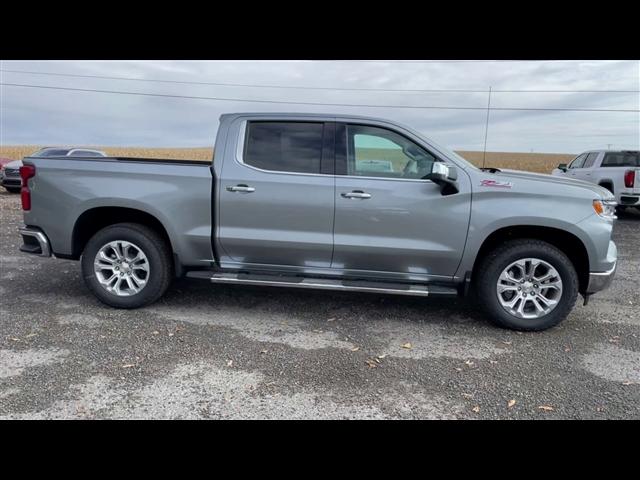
(95, 219)
(607, 183)
(565, 241)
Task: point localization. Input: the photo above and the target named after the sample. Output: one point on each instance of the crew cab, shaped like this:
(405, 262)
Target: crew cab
(616, 170)
(325, 202)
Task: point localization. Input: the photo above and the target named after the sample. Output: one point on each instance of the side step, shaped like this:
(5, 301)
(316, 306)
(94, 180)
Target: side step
(325, 284)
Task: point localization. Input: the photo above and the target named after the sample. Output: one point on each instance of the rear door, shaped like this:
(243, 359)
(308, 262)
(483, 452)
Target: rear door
(276, 197)
(390, 222)
(585, 172)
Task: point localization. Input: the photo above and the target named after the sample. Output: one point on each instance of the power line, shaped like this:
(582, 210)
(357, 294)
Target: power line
(471, 61)
(300, 87)
(287, 102)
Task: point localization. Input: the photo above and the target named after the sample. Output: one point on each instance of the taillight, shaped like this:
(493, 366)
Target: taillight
(26, 172)
(629, 178)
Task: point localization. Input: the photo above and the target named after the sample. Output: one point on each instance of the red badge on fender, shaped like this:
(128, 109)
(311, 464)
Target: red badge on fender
(496, 184)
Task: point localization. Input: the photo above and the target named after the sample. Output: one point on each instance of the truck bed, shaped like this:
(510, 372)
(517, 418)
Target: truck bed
(66, 190)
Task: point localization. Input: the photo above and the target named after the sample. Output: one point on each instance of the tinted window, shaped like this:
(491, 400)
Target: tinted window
(378, 152)
(590, 160)
(577, 163)
(51, 152)
(284, 146)
(621, 159)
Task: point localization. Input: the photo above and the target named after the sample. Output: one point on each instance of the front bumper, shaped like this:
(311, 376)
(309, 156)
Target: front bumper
(11, 182)
(35, 242)
(599, 281)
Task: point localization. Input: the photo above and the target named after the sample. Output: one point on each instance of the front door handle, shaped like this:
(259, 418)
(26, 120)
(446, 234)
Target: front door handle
(241, 188)
(356, 194)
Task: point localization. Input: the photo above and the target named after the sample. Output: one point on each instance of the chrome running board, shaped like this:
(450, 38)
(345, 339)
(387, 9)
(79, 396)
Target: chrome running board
(324, 284)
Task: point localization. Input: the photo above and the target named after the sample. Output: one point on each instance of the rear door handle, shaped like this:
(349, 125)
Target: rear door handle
(356, 194)
(241, 188)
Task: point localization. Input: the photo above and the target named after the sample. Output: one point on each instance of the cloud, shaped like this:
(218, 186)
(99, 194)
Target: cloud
(30, 116)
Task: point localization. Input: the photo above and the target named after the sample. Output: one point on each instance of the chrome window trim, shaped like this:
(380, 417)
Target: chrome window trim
(239, 157)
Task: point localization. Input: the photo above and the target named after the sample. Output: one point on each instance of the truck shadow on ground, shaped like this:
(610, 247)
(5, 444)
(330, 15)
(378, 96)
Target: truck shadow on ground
(629, 214)
(313, 305)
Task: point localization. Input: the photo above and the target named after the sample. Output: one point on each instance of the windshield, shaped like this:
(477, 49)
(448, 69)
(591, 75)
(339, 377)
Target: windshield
(453, 154)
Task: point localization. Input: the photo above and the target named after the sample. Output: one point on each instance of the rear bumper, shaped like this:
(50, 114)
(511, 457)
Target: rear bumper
(628, 199)
(599, 281)
(35, 242)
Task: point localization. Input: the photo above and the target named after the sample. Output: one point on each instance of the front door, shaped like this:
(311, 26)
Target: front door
(389, 221)
(574, 169)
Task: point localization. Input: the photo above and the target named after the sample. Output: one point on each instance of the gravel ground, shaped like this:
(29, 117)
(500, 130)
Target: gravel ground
(208, 351)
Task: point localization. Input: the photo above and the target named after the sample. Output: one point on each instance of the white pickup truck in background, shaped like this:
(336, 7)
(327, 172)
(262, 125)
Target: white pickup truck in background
(616, 170)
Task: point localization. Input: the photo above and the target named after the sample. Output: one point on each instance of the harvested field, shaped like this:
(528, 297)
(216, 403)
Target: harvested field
(532, 162)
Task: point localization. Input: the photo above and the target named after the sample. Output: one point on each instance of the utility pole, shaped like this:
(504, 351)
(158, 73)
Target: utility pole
(486, 129)
(609, 146)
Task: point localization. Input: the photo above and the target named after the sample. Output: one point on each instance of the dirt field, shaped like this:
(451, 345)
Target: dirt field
(533, 162)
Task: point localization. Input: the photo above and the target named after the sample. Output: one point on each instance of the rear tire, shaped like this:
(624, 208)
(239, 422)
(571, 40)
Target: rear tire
(139, 241)
(552, 260)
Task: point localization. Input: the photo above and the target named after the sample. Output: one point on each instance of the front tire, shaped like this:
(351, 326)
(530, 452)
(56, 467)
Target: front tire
(127, 265)
(526, 285)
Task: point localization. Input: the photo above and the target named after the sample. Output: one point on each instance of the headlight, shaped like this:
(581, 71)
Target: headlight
(605, 208)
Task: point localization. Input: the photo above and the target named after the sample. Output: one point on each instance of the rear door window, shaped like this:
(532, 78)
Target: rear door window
(284, 146)
(590, 160)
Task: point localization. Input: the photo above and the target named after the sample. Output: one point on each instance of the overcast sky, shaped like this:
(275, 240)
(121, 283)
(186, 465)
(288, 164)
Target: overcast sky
(58, 117)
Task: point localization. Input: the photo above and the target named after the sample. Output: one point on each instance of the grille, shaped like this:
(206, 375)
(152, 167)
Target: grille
(11, 172)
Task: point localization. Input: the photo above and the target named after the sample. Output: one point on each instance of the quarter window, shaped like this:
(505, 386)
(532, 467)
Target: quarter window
(284, 146)
(378, 152)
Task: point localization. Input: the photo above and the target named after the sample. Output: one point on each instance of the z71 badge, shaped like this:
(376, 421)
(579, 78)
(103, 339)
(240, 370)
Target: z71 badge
(496, 184)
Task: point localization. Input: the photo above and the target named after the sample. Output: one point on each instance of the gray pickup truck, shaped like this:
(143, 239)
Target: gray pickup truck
(325, 202)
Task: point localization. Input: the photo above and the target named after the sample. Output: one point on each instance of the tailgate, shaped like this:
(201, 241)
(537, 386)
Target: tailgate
(636, 183)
